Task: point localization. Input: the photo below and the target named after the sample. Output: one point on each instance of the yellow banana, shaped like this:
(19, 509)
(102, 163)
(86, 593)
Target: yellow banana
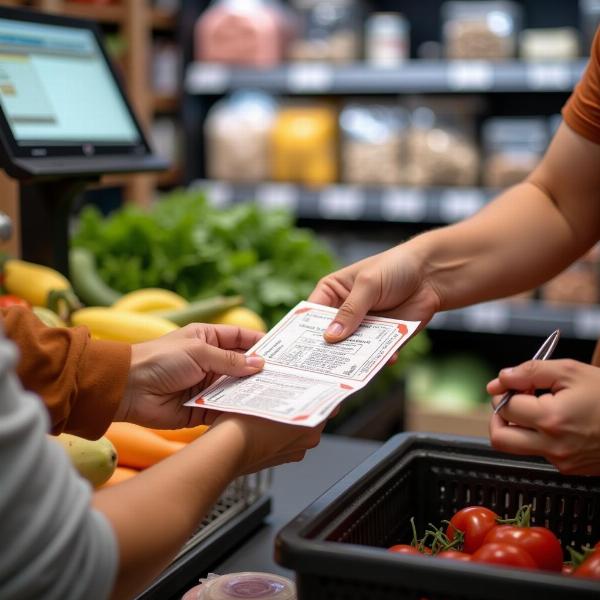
(32, 282)
(121, 326)
(48, 317)
(240, 316)
(150, 299)
(94, 460)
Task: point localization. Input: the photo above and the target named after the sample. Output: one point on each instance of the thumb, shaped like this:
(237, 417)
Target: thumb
(533, 374)
(227, 362)
(360, 300)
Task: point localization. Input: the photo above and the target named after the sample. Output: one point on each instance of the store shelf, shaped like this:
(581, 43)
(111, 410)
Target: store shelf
(414, 76)
(533, 318)
(165, 103)
(112, 14)
(163, 19)
(356, 203)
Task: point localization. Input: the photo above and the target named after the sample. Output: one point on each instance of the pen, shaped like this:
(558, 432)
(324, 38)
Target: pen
(544, 352)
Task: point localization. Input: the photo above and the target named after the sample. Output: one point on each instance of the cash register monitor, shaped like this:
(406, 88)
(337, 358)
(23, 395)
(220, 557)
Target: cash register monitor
(62, 109)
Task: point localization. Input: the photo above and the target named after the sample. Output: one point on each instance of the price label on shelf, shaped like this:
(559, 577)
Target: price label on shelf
(460, 203)
(586, 323)
(403, 205)
(274, 195)
(309, 78)
(541, 76)
(493, 317)
(208, 77)
(470, 75)
(338, 202)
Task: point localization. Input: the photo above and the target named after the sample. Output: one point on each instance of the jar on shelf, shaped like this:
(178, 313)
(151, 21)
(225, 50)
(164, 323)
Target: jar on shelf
(512, 147)
(372, 139)
(484, 30)
(329, 31)
(387, 39)
(557, 43)
(237, 132)
(304, 145)
(249, 33)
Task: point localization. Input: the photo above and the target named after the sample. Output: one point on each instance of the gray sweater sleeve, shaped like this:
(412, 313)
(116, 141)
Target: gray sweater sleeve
(53, 545)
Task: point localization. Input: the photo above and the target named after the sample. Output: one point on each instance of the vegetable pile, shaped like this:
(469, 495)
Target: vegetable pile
(186, 245)
(477, 534)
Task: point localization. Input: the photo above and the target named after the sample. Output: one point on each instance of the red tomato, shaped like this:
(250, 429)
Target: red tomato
(504, 554)
(474, 522)
(453, 555)
(11, 300)
(567, 569)
(403, 549)
(590, 567)
(540, 543)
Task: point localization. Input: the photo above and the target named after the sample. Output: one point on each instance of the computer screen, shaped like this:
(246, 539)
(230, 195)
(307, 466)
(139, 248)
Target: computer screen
(56, 88)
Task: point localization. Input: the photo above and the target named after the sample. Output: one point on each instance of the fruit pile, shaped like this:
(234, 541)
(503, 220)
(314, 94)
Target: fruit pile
(477, 534)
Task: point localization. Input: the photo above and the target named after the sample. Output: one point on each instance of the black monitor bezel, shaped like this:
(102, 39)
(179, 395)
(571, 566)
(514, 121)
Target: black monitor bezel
(81, 149)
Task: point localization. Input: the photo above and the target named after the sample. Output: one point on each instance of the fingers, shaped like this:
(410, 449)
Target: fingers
(225, 362)
(362, 297)
(524, 410)
(537, 374)
(515, 440)
(224, 336)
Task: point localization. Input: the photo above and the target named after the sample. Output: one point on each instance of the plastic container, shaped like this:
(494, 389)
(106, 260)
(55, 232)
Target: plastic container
(372, 143)
(513, 146)
(250, 33)
(329, 30)
(387, 39)
(304, 145)
(559, 43)
(238, 131)
(481, 29)
(235, 586)
(337, 545)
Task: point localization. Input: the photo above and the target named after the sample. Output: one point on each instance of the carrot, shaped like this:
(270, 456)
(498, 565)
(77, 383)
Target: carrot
(185, 435)
(139, 447)
(120, 474)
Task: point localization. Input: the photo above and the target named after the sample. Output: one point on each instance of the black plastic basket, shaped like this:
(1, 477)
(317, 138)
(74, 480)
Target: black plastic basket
(336, 546)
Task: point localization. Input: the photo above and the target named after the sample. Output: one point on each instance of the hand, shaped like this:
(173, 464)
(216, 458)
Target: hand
(392, 283)
(170, 370)
(562, 424)
(267, 443)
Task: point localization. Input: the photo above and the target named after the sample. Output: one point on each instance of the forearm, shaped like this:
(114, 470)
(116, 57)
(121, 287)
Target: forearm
(515, 243)
(170, 500)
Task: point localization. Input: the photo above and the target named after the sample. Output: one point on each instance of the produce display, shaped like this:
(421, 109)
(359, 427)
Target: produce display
(185, 245)
(478, 534)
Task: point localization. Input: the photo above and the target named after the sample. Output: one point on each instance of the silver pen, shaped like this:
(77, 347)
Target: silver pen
(545, 351)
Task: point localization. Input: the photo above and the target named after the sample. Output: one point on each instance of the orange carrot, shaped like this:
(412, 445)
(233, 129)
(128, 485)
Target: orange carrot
(139, 447)
(185, 435)
(120, 474)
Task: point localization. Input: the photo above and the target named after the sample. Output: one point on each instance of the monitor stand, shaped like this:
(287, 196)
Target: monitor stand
(45, 208)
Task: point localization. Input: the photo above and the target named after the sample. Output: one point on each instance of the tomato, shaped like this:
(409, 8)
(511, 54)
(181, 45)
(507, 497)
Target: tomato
(475, 522)
(403, 549)
(540, 543)
(590, 567)
(504, 554)
(7, 300)
(567, 569)
(453, 555)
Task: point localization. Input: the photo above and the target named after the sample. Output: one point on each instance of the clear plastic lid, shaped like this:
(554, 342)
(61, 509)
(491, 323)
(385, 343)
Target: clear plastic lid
(255, 586)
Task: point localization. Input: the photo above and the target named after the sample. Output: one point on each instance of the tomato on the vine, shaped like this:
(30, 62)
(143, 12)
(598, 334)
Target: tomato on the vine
(540, 543)
(453, 555)
(590, 567)
(403, 549)
(475, 522)
(498, 553)
(7, 300)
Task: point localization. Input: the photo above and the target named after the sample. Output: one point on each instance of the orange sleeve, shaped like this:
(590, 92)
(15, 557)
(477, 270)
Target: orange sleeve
(582, 110)
(80, 380)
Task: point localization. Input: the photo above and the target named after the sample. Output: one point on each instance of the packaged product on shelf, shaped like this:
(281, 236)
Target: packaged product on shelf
(440, 145)
(387, 39)
(512, 146)
(486, 30)
(252, 33)
(371, 145)
(237, 133)
(558, 43)
(578, 284)
(166, 58)
(304, 145)
(166, 139)
(329, 30)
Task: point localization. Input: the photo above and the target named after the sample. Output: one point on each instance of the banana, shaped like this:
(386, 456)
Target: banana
(241, 316)
(121, 326)
(94, 460)
(150, 299)
(32, 282)
(48, 317)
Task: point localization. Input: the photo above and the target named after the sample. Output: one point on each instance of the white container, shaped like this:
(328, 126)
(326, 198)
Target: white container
(387, 39)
